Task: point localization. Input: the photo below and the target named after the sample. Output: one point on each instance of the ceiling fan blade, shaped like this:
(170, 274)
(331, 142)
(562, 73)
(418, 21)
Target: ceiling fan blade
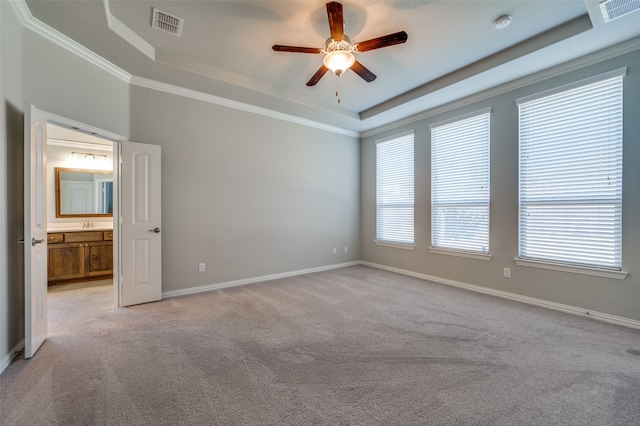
(363, 72)
(295, 49)
(336, 20)
(378, 42)
(317, 76)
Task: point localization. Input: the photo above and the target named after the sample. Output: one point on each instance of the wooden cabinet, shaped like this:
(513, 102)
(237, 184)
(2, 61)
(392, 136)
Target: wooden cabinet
(80, 255)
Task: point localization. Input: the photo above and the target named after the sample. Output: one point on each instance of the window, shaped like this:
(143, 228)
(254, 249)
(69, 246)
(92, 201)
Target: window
(394, 190)
(460, 184)
(571, 174)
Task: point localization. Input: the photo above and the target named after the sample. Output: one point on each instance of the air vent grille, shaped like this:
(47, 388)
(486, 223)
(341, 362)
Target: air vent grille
(614, 9)
(167, 22)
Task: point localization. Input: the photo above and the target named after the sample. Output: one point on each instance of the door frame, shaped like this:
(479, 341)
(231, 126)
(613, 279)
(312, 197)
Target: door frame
(117, 141)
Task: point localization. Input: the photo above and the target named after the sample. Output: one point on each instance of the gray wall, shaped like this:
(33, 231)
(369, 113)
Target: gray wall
(11, 183)
(610, 296)
(39, 72)
(247, 194)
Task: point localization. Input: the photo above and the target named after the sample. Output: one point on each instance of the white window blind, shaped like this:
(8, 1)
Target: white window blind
(571, 175)
(395, 190)
(460, 184)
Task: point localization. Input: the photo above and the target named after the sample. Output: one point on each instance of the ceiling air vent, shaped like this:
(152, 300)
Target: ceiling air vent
(168, 23)
(614, 9)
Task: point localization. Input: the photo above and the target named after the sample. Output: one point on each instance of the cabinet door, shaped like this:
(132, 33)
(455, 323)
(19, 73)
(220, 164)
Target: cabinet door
(66, 261)
(99, 258)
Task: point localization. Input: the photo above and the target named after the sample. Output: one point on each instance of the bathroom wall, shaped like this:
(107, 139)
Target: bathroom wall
(59, 156)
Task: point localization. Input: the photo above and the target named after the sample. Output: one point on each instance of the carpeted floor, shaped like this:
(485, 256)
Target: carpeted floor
(353, 346)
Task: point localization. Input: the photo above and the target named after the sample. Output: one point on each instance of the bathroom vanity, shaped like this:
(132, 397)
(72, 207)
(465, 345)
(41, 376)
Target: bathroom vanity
(80, 255)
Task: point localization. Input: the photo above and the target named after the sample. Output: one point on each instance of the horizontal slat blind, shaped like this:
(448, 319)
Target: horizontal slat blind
(460, 184)
(395, 190)
(571, 176)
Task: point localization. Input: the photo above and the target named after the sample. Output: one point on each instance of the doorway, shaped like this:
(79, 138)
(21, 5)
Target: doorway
(136, 239)
(79, 190)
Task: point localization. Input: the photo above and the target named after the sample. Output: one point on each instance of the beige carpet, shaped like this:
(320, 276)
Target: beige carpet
(354, 346)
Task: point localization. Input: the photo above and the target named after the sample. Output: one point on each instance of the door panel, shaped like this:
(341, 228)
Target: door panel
(141, 280)
(35, 230)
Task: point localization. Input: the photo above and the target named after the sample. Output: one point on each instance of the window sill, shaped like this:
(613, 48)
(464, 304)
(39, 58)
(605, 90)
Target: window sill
(584, 270)
(459, 253)
(404, 246)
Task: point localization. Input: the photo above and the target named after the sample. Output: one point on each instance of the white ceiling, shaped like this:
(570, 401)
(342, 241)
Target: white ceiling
(453, 49)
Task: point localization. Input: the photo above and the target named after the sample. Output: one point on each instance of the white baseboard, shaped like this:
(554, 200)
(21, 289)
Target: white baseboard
(600, 316)
(227, 284)
(4, 363)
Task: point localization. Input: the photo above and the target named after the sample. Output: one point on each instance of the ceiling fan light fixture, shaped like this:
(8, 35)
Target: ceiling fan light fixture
(339, 61)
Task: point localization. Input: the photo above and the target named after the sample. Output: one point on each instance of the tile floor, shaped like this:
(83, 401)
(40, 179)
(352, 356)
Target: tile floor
(71, 305)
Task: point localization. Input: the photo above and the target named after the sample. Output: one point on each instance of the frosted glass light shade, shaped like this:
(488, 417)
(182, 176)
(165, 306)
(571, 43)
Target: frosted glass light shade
(338, 61)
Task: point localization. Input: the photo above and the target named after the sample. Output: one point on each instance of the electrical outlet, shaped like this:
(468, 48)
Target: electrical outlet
(201, 267)
(335, 250)
(506, 272)
(346, 249)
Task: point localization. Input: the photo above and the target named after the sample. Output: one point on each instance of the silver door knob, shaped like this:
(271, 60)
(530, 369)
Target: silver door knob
(34, 241)
(156, 230)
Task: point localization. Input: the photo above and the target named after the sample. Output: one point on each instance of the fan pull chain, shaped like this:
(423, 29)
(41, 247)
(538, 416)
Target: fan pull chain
(338, 87)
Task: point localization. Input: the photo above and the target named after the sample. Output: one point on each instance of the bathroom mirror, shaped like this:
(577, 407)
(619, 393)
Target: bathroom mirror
(83, 193)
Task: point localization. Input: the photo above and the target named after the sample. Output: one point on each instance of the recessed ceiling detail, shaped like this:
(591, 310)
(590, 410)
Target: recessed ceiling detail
(166, 22)
(224, 52)
(614, 9)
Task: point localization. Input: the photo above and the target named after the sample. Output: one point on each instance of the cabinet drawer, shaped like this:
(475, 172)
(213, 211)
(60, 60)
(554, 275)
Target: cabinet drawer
(73, 237)
(55, 238)
(107, 235)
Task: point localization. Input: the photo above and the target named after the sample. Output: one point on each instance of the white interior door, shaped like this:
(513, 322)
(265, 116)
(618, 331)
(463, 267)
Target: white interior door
(35, 230)
(141, 245)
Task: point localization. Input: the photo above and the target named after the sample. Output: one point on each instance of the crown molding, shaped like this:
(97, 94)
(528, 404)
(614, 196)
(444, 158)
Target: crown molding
(217, 100)
(27, 20)
(573, 65)
(25, 17)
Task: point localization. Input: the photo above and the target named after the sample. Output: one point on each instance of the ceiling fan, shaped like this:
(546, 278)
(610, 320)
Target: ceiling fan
(339, 49)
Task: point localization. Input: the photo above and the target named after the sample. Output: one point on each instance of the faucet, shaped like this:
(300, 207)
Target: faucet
(87, 224)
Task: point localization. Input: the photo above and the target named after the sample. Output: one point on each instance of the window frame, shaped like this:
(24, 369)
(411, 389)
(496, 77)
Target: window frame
(379, 239)
(482, 201)
(573, 266)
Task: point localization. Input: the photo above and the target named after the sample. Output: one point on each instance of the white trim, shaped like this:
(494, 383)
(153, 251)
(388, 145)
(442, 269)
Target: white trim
(460, 253)
(25, 17)
(127, 34)
(217, 100)
(482, 111)
(236, 283)
(620, 72)
(29, 21)
(574, 269)
(576, 64)
(404, 246)
(397, 136)
(600, 316)
(77, 144)
(4, 363)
